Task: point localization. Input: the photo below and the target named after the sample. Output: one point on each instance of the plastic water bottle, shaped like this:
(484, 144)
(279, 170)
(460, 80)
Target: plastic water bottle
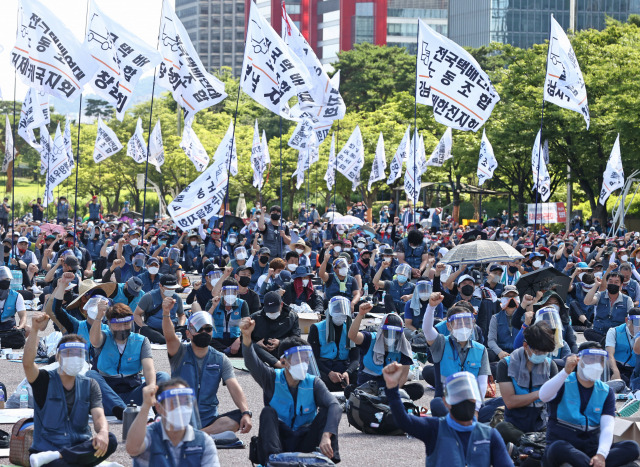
(179, 336)
(24, 397)
(366, 290)
(16, 279)
(410, 412)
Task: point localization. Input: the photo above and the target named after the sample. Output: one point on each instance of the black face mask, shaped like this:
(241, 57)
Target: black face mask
(275, 216)
(56, 247)
(5, 284)
(513, 269)
(7, 249)
(512, 304)
(122, 335)
(244, 281)
(613, 288)
(201, 340)
(68, 297)
(466, 290)
(569, 251)
(463, 411)
(365, 260)
(264, 259)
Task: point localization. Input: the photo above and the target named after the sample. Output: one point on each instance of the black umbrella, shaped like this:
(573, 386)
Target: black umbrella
(474, 234)
(232, 221)
(544, 279)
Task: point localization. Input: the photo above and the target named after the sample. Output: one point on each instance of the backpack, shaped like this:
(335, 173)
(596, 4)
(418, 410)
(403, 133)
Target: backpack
(369, 412)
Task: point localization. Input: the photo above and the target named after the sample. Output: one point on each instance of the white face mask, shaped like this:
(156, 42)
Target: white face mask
(299, 250)
(134, 242)
(343, 271)
(462, 334)
(193, 244)
(624, 258)
(153, 270)
(339, 320)
(340, 231)
(424, 297)
(168, 292)
(232, 241)
(337, 249)
(305, 282)
(536, 264)
(299, 371)
(388, 258)
(273, 315)
(179, 417)
(592, 372)
(586, 250)
(292, 267)
(361, 245)
(389, 230)
(230, 299)
(72, 365)
(241, 256)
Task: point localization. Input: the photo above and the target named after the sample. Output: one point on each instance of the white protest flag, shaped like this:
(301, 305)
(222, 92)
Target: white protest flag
(351, 159)
(156, 149)
(181, 70)
(204, 196)
(613, 177)
(450, 80)
(301, 134)
(379, 163)
(416, 166)
(487, 163)
(47, 56)
(107, 143)
(66, 136)
(8, 145)
(265, 148)
(257, 158)
(541, 178)
(271, 73)
(545, 151)
(31, 117)
(330, 175)
(306, 158)
(442, 152)
(564, 85)
(395, 169)
(193, 148)
(59, 168)
(121, 59)
(45, 149)
(137, 147)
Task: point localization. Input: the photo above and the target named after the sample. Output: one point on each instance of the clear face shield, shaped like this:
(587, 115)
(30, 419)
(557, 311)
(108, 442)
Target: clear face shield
(462, 326)
(550, 315)
(230, 294)
(593, 365)
(341, 267)
(461, 386)
(138, 260)
(174, 254)
(72, 357)
(91, 307)
(424, 289)
(301, 362)
(634, 322)
(121, 328)
(177, 405)
(214, 277)
(240, 253)
(5, 273)
(339, 310)
(403, 273)
(392, 336)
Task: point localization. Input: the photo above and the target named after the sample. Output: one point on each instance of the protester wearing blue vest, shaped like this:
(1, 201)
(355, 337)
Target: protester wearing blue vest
(95, 207)
(630, 286)
(387, 254)
(619, 345)
(260, 266)
(456, 352)
(61, 433)
(214, 249)
(170, 265)
(129, 293)
(611, 306)
(150, 276)
(412, 250)
(300, 414)
(581, 414)
(397, 291)
(377, 349)
(172, 441)
(336, 355)
(227, 310)
(338, 282)
(520, 376)
(204, 369)
(13, 318)
(457, 439)
(414, 309)
(501, 331)
(120, 358)
(148, 313)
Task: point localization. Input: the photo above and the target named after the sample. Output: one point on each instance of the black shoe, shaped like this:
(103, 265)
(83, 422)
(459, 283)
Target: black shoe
(117, 412)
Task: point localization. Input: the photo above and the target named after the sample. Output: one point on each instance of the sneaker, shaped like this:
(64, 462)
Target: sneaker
(628, 409)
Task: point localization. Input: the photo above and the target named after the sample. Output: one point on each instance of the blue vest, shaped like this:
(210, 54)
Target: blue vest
(94, 210)
(94, 247)
(330, 350)
(506, 334)
(478, 452)
(451, 363)
(9, 310)
(154, 318)
(219, 319)
(333, 289)
(257, 272)
(605, 317)
(370, 365)
(160, 450)
(205, 383)
(211, 250)
(282, 401)
(568, 413)
(84, 330)
(112, 363)
(122, 298)
(147, 283)
(623, 352)
(387, 274)
(396, 290)
(579, 301)
(413, 256)
(631, 289)
(53, 428)
(527, 418)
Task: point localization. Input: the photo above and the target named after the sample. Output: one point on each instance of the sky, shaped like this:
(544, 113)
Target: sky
(140, 17)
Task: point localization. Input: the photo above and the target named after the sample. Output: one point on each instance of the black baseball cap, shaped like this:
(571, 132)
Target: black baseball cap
(169, 281)
(272, 302)
(244, 268)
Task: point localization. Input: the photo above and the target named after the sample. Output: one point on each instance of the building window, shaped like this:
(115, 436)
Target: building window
(293, 9)
(191, 11)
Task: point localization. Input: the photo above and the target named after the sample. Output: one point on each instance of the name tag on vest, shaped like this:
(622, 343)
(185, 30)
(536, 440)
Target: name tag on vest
(213, 366)
(192, 449)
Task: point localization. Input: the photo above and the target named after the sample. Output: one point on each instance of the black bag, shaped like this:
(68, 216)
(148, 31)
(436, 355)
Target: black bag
(532, 446)
(298, 459)
(253, 450)
(12, 339)
(369, 412)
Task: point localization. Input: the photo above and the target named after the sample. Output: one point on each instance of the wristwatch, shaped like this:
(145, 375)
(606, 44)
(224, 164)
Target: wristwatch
(248, 412)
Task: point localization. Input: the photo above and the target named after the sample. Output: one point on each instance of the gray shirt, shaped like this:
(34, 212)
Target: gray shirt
(176, 361)
(146, 303)
(437, 352)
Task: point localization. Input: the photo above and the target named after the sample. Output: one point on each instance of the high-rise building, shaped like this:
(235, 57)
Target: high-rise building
(402, 27)
(522, 23)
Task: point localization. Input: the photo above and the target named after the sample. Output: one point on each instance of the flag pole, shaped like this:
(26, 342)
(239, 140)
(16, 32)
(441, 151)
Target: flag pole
(281, 213)
(335, 173)
(146, 166)
(233, 137)
(416, 189)
(535, 217)
(13, 169)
